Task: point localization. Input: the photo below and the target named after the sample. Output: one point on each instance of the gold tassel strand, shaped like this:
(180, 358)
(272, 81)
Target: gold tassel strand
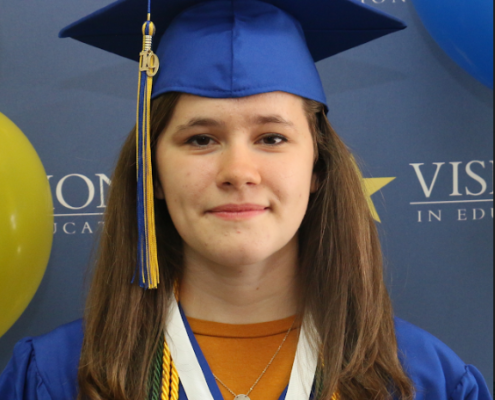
(147, 248)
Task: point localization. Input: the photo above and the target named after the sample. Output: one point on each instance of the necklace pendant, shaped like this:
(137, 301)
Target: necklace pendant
(242, 397)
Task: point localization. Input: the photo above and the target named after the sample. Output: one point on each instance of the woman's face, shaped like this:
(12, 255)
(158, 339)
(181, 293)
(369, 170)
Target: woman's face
(236, 175)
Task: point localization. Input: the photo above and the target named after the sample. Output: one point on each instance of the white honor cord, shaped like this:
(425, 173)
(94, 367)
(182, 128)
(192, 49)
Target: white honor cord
(185, 360)
(304, 369)
(192, 377)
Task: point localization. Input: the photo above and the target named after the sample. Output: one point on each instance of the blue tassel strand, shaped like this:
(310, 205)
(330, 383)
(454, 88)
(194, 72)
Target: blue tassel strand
(147, 263)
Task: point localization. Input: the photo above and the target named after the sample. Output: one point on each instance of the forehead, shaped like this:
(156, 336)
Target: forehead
(288, 106)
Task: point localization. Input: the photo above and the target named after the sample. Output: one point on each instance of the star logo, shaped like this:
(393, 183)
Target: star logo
(372, 186)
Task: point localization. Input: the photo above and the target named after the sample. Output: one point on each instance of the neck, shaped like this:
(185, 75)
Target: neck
(244, 294)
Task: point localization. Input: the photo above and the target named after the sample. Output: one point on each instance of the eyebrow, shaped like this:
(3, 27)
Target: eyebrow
(255, 120)
(271, 119)
(201, 122)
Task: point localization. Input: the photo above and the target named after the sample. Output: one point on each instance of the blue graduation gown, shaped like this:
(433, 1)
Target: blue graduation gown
(45, 367)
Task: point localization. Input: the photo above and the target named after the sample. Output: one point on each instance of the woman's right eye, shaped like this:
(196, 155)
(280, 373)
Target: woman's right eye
(200, 141)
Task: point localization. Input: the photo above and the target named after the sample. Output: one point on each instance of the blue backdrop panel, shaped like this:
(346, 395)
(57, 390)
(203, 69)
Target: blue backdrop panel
(407, 110)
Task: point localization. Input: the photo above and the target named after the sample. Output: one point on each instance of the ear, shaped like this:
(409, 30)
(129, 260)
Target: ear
(159, 193)
(315, 183)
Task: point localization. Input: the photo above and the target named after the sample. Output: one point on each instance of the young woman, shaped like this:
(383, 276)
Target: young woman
(270, 272)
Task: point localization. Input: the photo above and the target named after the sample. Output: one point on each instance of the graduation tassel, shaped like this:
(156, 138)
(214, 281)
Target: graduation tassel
(147, 265)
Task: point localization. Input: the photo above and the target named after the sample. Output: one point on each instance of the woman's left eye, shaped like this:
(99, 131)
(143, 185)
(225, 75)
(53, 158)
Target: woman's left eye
(273, 140)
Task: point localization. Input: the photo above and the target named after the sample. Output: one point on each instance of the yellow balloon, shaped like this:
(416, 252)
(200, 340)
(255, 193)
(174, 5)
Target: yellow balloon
(26, 222)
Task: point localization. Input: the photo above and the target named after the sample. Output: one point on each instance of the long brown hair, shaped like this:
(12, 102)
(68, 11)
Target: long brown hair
(340, 267)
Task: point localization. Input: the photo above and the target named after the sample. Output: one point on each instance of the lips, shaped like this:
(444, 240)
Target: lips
(238, 211)
(237, 208)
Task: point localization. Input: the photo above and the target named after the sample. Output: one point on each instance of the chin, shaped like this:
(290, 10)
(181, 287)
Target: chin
(240, 257)
(242, 250)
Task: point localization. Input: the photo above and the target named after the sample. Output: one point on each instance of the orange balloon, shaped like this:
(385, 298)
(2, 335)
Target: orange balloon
(26, 222)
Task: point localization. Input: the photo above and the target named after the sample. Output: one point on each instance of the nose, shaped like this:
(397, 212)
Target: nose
(238, 167)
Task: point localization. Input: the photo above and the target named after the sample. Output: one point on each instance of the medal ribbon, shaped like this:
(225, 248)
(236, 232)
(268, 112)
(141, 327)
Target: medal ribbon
(197, 380)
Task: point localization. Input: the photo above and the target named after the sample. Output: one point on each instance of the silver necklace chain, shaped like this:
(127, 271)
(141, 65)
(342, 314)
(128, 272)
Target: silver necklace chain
(246, 396)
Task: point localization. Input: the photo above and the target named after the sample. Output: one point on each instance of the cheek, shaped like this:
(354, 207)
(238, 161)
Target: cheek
(291, 183)
(183, 180)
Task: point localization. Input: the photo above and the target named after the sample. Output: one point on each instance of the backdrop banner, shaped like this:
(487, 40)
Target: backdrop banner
(419, 124)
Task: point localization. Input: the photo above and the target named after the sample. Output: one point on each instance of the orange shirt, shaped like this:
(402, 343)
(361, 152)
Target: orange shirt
(238, 354)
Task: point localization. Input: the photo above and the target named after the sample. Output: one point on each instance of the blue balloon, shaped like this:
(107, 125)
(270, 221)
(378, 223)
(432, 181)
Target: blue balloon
(464, 29)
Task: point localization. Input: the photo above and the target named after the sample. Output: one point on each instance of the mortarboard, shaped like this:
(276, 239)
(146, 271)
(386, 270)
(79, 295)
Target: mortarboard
(223, 49)
(236, 48)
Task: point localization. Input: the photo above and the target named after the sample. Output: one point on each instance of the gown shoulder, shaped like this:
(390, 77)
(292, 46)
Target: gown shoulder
(437, 372)
(44, 367)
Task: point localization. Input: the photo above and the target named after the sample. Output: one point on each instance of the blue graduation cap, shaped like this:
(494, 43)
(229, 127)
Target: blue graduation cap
(236, 48)
(223, 49)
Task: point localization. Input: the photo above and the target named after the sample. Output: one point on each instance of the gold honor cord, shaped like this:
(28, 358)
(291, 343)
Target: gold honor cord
(170, 376)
